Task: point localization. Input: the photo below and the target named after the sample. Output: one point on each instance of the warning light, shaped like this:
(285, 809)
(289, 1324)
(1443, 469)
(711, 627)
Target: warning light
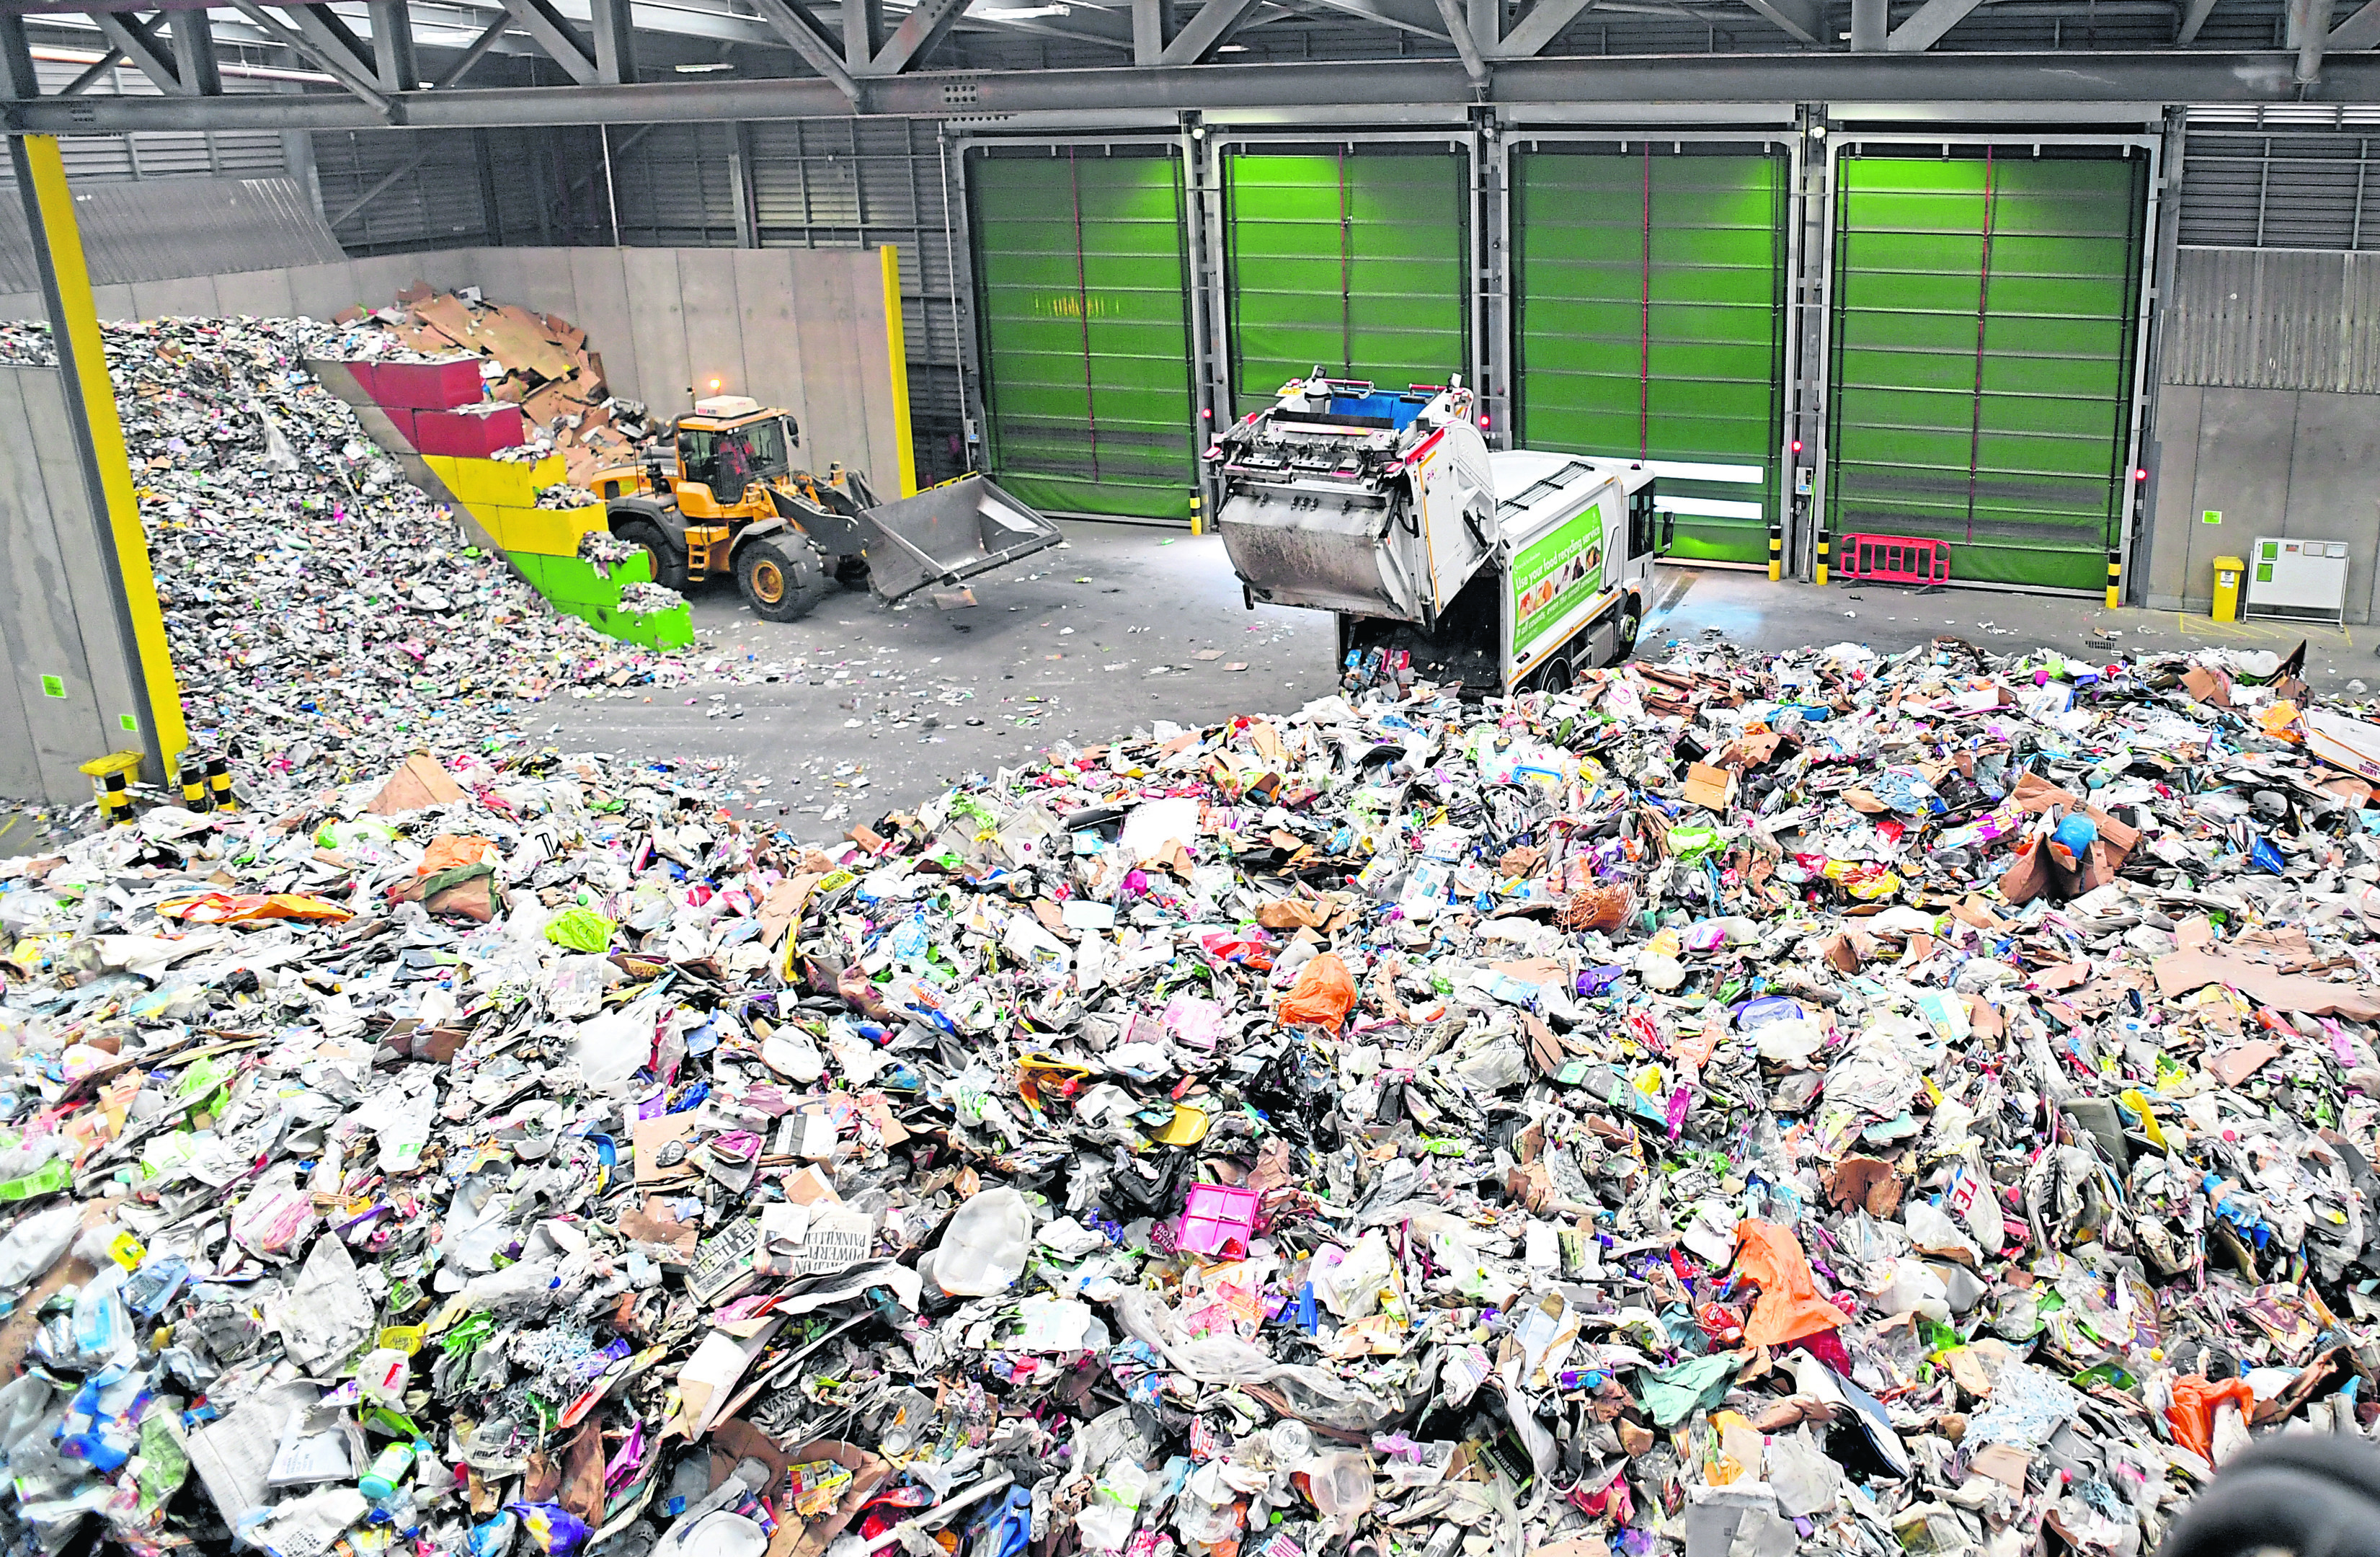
(2140, 475)
(714, 385)
(1797, 445)
(1483, 420)
(1206, 413)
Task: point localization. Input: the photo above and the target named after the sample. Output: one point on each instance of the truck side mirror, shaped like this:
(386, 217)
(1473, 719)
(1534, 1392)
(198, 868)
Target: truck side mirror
(1668, 533)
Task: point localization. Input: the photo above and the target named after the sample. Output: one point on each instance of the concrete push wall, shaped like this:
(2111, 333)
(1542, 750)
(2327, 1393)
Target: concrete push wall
(69, 688)
(801, 328)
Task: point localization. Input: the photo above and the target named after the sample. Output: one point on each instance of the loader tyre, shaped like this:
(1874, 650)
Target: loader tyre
(669, 563)
(781, 579)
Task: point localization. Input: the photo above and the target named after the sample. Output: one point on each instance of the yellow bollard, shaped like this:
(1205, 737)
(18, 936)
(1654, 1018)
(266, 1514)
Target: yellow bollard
(219, 783)
(109, 784)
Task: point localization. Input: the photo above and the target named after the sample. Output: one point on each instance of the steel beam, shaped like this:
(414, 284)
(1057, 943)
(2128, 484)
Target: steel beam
(1690, 81)
(1211, 27)
(472, 55)
(334, 41)
(925, 25)
(615, 40)
(392, 43)
(2191, 20)
(18, 80)
(557, 38)
(1924, 27)
(2360, 30)
(1416, 17)
(1804, 20)
(863, 29)
(92, 74)
(1535, 32)
(1152, 24)
(798, 28)
(2310, 31)
(132, 38)
(194, 54)
(1458, 29)
(292, 39)
(1869, 21)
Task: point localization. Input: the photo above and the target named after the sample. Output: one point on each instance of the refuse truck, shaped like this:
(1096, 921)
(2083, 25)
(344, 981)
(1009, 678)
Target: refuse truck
(725, 498)
(1500, 570)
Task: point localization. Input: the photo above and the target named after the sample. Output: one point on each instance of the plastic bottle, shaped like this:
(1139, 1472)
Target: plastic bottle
(983, 1250)
(388, 1468)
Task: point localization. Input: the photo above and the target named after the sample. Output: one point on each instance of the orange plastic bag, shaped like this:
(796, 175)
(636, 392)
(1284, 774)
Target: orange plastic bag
(2192, 1414)
(221, 908)
(1789, 1306)
(450, 851)
(1324, 993)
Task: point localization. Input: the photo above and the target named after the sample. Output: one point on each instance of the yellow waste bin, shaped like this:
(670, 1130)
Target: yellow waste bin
(2227, 572)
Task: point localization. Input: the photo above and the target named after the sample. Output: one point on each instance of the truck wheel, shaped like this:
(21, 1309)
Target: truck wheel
(669, 563)
(1631, 622)
(780, 581)
(1555, 676)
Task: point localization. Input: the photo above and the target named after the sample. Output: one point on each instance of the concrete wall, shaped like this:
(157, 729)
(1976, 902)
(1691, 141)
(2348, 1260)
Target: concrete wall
(58, 619)
(2301, 463)
(801, 328)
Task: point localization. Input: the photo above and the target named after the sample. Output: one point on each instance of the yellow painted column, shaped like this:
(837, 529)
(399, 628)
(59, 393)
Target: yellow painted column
(896, 337)
(91, 417)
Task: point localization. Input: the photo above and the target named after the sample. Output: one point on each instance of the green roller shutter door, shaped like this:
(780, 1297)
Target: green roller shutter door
(1650, 325)
(1351, 259)
(1085, 331)
(1984, 331)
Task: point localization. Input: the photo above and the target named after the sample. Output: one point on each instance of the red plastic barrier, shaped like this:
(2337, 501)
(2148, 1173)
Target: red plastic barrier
(469, 435)
(1893, 559)
(427, 386)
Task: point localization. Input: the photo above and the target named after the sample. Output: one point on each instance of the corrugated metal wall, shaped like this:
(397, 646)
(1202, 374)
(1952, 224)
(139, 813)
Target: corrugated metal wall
(2258, 318)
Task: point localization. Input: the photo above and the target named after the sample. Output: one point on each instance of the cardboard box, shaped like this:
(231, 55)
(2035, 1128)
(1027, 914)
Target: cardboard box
(1710, 787)
(475, 433)
(2351, 744)
(427, 386)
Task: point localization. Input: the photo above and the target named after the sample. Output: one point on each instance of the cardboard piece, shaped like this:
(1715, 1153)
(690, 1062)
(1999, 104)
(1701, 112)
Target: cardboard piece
(1710, 787)
(418, 784)
(2302, 995)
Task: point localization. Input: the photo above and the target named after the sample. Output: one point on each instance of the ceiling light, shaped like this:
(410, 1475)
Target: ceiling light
(1231, 49)
(703, 68)
(1016, 13)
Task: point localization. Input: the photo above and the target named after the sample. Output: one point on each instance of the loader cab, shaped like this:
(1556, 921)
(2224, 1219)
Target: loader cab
(733, 446)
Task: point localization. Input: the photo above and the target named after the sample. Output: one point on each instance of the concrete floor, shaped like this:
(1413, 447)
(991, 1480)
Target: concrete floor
(1126, 625)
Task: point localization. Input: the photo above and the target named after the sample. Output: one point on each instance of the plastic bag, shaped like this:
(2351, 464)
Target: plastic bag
(983, 1250)
(1324, 993)
(1789, 1306)
(2195, 1401)
(34, 1243)
(582, 929)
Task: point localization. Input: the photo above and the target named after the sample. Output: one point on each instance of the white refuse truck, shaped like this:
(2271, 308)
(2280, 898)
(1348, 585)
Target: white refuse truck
(1503, 571)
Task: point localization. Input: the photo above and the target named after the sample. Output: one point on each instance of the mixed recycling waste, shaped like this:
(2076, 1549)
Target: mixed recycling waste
(326, 617)
(1739, 1105)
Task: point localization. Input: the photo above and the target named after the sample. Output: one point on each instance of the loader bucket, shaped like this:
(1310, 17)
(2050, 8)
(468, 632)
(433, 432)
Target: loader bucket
(950, 532)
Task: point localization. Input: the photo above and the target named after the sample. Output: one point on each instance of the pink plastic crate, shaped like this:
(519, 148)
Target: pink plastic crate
(1218, 1219)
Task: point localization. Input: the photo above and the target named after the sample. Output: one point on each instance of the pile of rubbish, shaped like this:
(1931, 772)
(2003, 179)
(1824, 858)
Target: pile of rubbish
(539, 362)
(326, 618)
(1741, 1105)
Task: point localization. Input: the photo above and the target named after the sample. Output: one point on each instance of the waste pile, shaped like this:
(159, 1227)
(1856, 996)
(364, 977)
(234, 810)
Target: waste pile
(1740, 1105)
(539, 362)
(326, 616)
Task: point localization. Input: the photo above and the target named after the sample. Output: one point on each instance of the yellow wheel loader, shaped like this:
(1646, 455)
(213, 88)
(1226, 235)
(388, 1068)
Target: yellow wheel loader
(725, 498)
